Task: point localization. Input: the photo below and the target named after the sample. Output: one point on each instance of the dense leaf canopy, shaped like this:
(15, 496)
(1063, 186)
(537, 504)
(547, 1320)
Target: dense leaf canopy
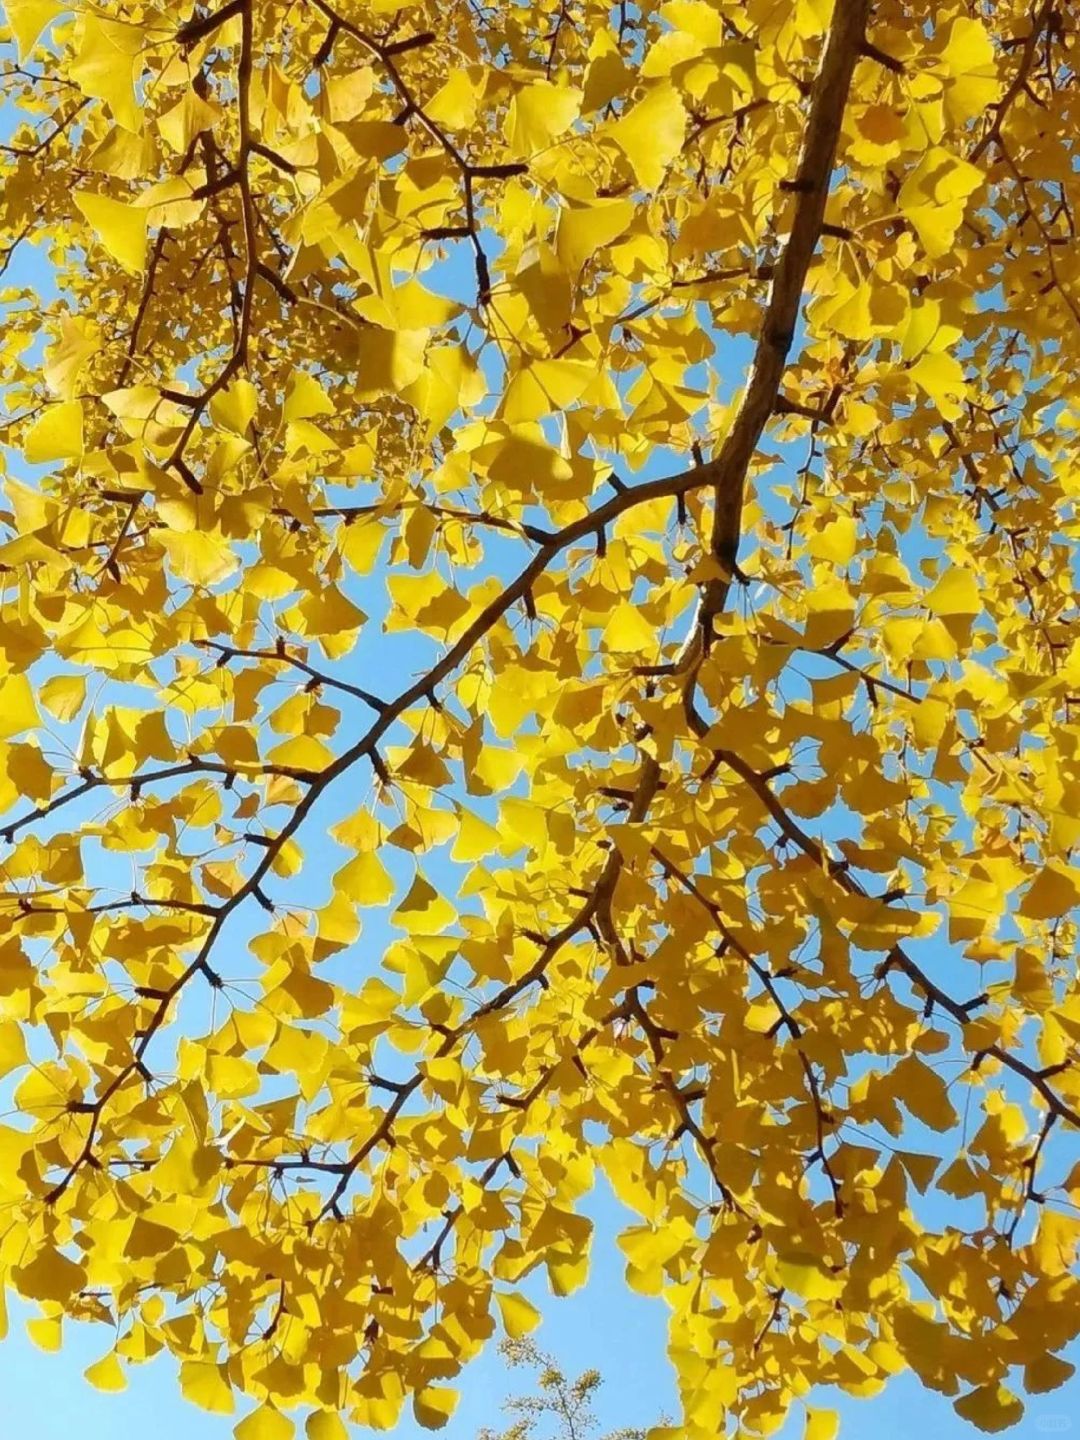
(614, 467)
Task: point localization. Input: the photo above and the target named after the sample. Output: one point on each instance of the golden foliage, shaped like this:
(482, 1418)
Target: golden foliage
(721, 845)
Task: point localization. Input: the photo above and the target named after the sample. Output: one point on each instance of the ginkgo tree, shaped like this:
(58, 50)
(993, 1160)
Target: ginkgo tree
(615, 465)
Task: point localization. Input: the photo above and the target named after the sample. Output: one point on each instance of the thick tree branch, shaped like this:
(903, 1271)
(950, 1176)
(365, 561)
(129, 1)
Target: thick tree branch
(730, 468)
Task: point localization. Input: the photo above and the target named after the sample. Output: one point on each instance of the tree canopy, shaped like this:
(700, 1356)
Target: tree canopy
(613, 466)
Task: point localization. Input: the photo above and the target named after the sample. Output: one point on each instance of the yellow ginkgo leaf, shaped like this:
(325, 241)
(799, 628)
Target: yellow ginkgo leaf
(970, 59)
(57, 434)
(49, 1275)
(434, 1405)
(288, 858)
(77, 340)
(584, 230)
(46, 1332)
(305, 397)
(234, 407)
(821, 1424)
(837, 540)
(475, 838)
(923, 1092)
(28, 18)
(365, 880)
(545, 387)
(198, 556)
(325, 1425)
(63, 695)
(968, 47)
(807, 1275)
(519, 1316)
(104, 67)
(1046, 1373)
(455, 104)
(990, 1408)
(231, 1076)
(188, 118)
(266, 1423)
(651, 134)
(424, 911)
(1055, 892)
(919, 1168)
(360, 545)
(390, 360)
(206, 1384)
(955, 593)
(627, 631)
(934, 198)
(538, 114)
(12, 1046)
(17, 708)
(120, 227)
(941, 376)
(107, 1373)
